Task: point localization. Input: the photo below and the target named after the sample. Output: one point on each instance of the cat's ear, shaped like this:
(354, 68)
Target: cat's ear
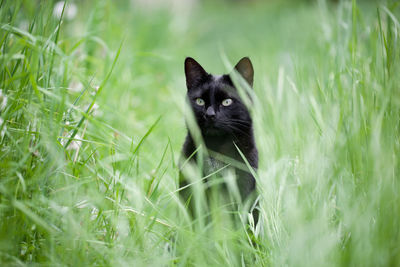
(195, 74)
(245, 69)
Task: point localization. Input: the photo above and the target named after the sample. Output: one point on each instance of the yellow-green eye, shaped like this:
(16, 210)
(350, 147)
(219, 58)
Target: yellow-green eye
(200, 102)
(227, 102)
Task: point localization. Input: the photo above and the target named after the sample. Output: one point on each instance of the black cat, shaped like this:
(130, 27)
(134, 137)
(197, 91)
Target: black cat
(225, 125)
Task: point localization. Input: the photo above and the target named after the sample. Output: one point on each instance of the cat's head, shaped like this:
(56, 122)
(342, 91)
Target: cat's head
(215, 101)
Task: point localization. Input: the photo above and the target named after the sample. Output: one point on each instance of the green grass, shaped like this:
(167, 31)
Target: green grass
(93, 122)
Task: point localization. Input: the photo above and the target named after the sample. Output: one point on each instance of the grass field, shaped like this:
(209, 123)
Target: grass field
(92, 122)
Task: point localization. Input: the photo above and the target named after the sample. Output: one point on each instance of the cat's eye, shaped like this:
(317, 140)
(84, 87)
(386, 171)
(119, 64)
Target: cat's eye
(200, 102)
(227, 102)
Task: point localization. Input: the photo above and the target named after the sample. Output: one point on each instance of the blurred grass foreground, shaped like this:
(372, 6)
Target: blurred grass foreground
(92, 122)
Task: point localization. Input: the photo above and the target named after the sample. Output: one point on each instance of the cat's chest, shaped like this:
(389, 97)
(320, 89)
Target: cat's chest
(212, 165)
(217, 160)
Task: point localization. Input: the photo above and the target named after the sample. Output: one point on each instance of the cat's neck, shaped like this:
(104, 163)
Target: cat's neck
(226, 144)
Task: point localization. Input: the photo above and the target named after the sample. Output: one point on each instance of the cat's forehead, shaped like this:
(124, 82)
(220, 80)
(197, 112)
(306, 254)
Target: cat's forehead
(217, 84)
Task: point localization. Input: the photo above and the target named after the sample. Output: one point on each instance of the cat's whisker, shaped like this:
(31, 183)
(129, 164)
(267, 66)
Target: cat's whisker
(238, 124)
(237, 129)
(241, 124)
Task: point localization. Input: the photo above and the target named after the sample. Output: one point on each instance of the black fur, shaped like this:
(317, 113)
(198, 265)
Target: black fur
(221, 126)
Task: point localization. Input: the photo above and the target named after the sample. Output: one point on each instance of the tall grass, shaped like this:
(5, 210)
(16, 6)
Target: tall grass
(91, 123)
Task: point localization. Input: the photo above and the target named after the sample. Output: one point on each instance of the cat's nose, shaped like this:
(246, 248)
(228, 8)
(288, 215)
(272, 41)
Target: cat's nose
(210, 113)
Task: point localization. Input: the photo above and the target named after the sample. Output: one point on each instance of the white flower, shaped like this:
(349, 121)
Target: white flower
(3, 131)
(69, 12)
(94, 111)
(3, 100)
(62, 210)
(24, 25)
(94, 213)
(96, 89)
(75, 86)
(75, 143)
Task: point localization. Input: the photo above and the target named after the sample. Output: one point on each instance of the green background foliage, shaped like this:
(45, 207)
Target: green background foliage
(92, 121)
